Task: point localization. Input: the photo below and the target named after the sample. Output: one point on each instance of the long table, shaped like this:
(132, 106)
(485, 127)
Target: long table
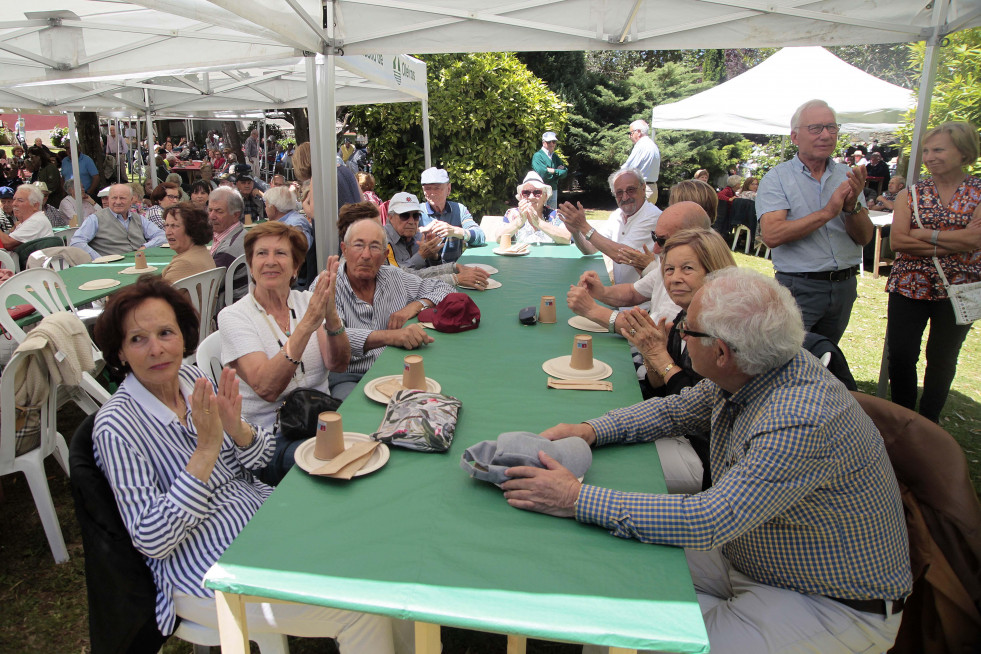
(420, 540)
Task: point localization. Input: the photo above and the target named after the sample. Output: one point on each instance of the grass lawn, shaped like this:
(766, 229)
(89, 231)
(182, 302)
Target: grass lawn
(45, 608)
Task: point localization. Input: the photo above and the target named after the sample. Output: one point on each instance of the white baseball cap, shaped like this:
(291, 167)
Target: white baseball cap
(549, 136)
(403, 203)
(435, 176)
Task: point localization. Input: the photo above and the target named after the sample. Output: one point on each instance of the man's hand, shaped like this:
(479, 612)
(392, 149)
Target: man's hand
(410, 337)
(552, 491)
(439, 228)
(472, 277)
(583, 430)
(574, 216)
(591, 282)
(579, 300)
(400, 317)
(430, 246)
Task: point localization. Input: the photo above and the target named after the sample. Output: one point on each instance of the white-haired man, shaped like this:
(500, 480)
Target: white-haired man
(625, 233)
(224, 214)
(31, 223)
(801, 542)
(813, 217)
(644, 156)
(445, 218)
(281, 205)
(116, 228)
(549, 167)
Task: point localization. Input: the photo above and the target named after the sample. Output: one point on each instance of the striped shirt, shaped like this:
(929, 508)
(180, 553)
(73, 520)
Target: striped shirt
(805, 497)
(178, 523)
(394, 290)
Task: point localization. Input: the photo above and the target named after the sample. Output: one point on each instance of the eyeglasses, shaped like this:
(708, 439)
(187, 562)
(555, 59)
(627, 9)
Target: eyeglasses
(660, 240)
(684, 331)
(174, 197)
(410, 216)
(630, 190)
(357, 247)
(833, 128)
(528, 193)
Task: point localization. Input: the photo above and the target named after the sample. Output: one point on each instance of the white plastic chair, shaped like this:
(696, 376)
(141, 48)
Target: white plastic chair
(46, 292)
(31, 463)
(208, 356)
(203, 291)
(229, 287)
(9, 262)
(66, 234)
(203, 638)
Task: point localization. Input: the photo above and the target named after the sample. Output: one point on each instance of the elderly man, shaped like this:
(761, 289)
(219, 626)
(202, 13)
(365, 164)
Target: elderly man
(117, 229)
(644, 156)
(375, 301)
(224, 214)
(281, 205)
(625, 233)
(117, 147)
(549, 167)
(252, 152)
(277, 180)
(801, 542)
(31, 223)
(252, 199)
(649, 288)
(88, 176)
(446, 219)
(813, 217)
(422, 257)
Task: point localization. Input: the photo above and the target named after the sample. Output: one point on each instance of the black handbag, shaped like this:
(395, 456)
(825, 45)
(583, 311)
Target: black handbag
(297, 417)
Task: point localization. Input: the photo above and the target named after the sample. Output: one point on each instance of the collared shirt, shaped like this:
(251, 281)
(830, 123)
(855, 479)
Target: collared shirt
(457, 215)
(804, 495)
(251, 147)
(394, 290)
(85, 164)
(403, 252)
(220, 236)
(646, 158)
(155, 215)
(634, 233)
(253, 205)
(790, 187)
(90, 226)
(180, 524)
(651, 284)
(36, 226)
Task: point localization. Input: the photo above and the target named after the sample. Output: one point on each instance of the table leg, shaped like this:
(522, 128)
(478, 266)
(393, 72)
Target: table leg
(428, 638)
(517, 644)
(232, 626)
(877, 253)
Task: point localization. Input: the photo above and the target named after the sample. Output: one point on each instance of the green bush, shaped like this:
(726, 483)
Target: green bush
(58, 136)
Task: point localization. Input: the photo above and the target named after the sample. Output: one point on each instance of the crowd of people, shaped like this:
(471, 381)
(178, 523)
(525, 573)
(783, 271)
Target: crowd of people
(779, 487)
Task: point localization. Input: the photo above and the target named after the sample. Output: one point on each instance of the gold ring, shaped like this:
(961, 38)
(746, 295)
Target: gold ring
(208, 412)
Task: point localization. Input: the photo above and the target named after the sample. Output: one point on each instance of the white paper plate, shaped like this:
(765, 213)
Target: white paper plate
(585, 324)
(559, 367)
(491, 283)
(109, 258)
(505, 253)
(164, 245)
(307, 461)
(490, 270)
(98, 284)
(133, 270)
(371, 388)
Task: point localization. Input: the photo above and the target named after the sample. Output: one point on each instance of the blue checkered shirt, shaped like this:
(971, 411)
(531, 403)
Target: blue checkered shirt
(805, 497)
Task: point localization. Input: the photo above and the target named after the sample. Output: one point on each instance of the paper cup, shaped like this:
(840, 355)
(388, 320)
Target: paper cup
(546, 311)
(413, 373)
(248, 219)
(504, 240)
(330, 436)
(140, 260)
(582, 353)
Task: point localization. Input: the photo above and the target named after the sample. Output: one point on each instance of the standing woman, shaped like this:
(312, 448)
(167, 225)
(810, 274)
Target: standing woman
(949, 203)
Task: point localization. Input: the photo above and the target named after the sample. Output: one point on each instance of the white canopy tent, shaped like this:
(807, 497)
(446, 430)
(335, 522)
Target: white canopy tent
(763, 99)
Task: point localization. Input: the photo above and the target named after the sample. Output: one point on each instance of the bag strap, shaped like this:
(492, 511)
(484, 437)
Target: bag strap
(936, 261)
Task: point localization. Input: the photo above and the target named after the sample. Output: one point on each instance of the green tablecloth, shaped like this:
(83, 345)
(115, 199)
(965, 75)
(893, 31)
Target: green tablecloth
(421, 540)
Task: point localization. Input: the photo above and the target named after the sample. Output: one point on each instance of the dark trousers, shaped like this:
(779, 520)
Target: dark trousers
(906, 321)
(825, 306)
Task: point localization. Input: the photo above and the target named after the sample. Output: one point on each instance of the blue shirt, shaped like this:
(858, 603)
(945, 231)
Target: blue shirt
(457, 215)
(154, 236)
(789, 186)
(294, 219)
(646, 158)
(804, 498)
(85, 164)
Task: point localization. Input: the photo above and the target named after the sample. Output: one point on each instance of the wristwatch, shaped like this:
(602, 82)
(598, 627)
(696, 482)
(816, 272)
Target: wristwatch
(588, 235)
(858, 207)
(613, 321)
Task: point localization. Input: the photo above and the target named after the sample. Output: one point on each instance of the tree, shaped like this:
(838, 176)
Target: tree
(887, 61)
(90, 139)
(301, 123)
(487, 115)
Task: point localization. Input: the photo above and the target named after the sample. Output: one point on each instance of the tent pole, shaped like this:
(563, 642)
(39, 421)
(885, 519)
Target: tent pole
(151, 153)
(76, 178)
(317, 162)
(426, 143)
(327, 79)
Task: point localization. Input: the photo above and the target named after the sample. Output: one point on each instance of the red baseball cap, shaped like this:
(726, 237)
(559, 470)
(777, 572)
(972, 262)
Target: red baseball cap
(456, 313)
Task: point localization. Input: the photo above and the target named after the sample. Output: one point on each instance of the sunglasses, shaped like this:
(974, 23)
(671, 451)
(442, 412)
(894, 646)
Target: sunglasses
(660, 240)
(410, 216)
(528, 193)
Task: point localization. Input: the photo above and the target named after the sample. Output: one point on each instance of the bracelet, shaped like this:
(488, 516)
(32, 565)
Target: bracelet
(337, 332)
(664, 373)
(613, 321)
(934, 237)
(288, 357)
(588, 235)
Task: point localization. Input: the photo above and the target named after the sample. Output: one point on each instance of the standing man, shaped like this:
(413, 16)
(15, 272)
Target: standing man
(449, 220)
(88, 173)
(252, 151)
(644, 156)
(117, 147)
(813, 217)
(549, 167)
(625, 234)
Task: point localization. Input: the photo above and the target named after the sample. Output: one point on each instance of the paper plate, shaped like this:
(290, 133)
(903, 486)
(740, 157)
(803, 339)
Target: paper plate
(585, 324)
(491, 283)
(307, 461)
(559, 367)
(133, 270)
(98, 284)
(490, 270)
(164, 245)
(505, 253)
(109, 258)
(374, 393)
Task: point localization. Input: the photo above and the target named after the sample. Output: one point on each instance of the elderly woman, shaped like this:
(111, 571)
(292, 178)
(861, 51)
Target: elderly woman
(177, 180)
(532, 221)
(207, 175)
(188, 232)
(163, 197)
(179, 459)
(948, 234)
(200, 190)
(278, 339)
(885, 202)
(728, 192)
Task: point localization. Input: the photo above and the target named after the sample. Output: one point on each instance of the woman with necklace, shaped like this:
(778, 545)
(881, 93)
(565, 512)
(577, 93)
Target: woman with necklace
(949, 207)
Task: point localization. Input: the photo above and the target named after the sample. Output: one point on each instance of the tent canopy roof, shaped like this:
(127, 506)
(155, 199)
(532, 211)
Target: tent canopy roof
(763, 99)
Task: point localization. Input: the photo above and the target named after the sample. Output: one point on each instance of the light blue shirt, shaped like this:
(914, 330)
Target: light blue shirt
(646, 158)
(85, 165)
(294, 219)
(155, 236)
(790, 187)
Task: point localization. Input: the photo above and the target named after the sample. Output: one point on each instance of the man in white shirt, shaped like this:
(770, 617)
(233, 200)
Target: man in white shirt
(31, 224)
(644, 156)
(627, 230)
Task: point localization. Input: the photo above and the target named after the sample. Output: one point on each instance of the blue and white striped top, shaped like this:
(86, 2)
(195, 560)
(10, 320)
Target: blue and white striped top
(178, 523)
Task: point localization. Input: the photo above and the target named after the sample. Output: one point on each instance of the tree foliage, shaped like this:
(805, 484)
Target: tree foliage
(487, 114)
